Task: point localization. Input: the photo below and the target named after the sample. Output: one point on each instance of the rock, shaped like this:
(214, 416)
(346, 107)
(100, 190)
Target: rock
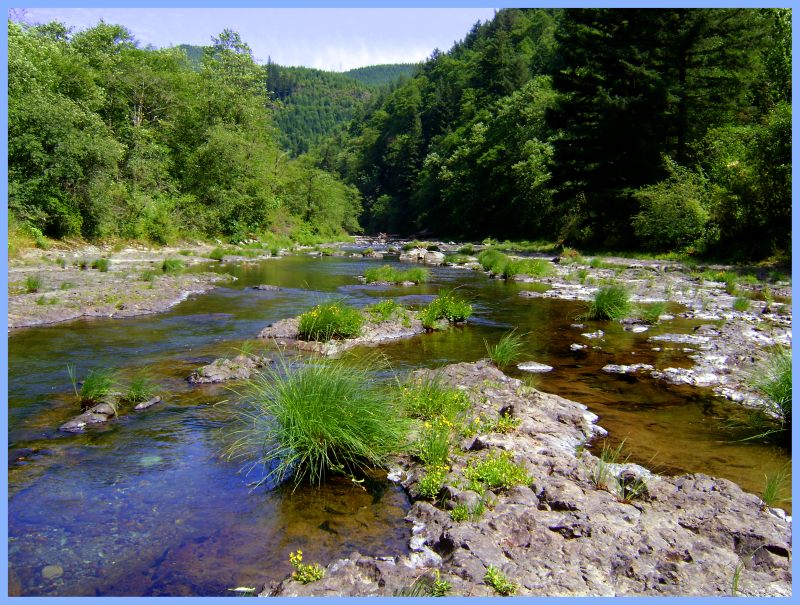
(598, 334)
(51, 572)
(266, 287)
(576, 347)
(623, 369)
(680, 338)
(103, 408)
(285, 328)
(637, 328)
(146, 404)
(80, 422)
(240, 367)
(532, 366)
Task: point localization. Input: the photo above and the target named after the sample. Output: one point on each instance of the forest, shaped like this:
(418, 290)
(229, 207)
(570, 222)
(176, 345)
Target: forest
(654, 130)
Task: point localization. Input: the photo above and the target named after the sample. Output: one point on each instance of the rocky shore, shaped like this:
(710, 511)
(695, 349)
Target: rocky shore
(560, 533)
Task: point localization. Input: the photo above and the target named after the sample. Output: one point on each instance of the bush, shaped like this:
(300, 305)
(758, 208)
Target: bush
(172, 265)
(492, 260)
(330, 320)
(33, 283)
(610, 302)
(101, 264)
(496, 471)
(325, 417)
(446, 306)
(387, 273)
(507, 350)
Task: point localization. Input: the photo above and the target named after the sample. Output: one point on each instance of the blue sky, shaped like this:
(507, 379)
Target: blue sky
(326, 38)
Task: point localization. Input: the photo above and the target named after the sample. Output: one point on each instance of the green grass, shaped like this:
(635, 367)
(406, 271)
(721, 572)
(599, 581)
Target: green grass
(413, 244)
(433, 443)
(98, 383)
(101, 264)
(140, 388)
(651, 312)
(326, 417)
(601, 475)
(497, 580)
(387, 273)
(467, 249)
(431, 484)
(741, 304)
(147, 276)
(172, 265)
(456, 259)
(447, 306)
(66, 285)
(217, 253)
(774, 381)
(331, 320)
(775, 487)
(533, 267)
(429, 399)
(33, 283)
(43, 300)
(492, 260)
(496, 471)
(461, 512)
(610, 302)
(508, 349)
(384, 310)
(305, 573)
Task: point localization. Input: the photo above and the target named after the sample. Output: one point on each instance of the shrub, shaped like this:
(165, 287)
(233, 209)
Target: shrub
(429, 399)
(741, 304)
(495, 578)
(433, 481)
(101, 264)
(446, 306)
(387, 273)
(610, 302)
(330, 320)
(172, 265)
(97, 384)
(33, 283)
(497, 470)
(305, 573)
(492, 260)
(325, 417)
(507, 350)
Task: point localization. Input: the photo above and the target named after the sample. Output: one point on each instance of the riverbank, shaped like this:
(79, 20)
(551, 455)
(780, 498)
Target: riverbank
(561, 532)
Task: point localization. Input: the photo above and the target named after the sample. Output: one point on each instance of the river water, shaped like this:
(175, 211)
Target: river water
(148, 505)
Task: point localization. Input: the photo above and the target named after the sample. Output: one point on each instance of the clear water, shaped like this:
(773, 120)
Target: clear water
(146, 505)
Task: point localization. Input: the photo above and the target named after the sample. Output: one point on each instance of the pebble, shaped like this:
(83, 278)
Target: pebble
(51, 572)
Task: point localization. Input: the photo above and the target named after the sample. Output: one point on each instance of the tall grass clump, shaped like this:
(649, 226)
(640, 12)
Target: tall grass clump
(331, 320)
(610, 302)
(652, 312)
(326, 417)
(98, 383)
(429, 399)
(384, 310)
(447, 306)
(101, 264)
(33, 283)
(140, 388)
(217, 253)
(534, 267)
(492, 260)
(387, 273)
(507, 350)
(774, 381)
(741, 304)
(775, 487)
(172, 265)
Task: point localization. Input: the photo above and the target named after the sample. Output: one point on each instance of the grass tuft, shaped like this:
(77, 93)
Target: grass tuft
(331, 320)
(497, 580)
(101, 264)
(652, 312)
(325, 417)
(387, 273)
(429, 399)
(445, 306)
(140, 388)
(496, 471)
(507, 350)
(774, 382)
(172, 265)
(33, 283)
(610, 302)
(97, 384)
(741, 304)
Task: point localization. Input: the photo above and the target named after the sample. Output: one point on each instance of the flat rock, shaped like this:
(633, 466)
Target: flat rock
(240, 367)
(51, 572)
(146, 404)
(533, 366)
(613, 368)
(80, 422)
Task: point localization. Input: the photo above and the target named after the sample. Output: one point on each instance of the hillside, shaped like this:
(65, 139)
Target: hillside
(381, 75)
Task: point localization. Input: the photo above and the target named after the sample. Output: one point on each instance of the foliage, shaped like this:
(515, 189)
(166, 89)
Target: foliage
(456, 259)
(507, 350)
(497, 470)
(433, 443)
(327, 321)
(217, 253)
(445, 306)
(387, 273)
(535, 267)
(741, 303)
(610, 302)
(429, 399)
(652, 312)
(439, 587)
(461, 512)
(306, 422)
(101, 264)
(172, 265)
(775, 487)
(33, 283)
(492, 260)
(384, 310)
(140, 388)
(381, 75)
(305, 573)
(431, 484)
(497, 580)
(98, 383)
(774, 380)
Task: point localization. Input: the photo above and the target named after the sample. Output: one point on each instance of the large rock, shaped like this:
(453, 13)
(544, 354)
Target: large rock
(240, 367)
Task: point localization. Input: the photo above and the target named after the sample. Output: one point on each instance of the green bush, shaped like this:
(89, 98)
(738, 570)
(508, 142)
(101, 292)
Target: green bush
(507, 350)
(467, 249)
(387, 273)
(325, 417)
(101, 264)
(446, 306)
(33, 283)
(172, 265)
(610, 302)
(384, 310)
(330, 320)
(534, 267)
(496, 471)
(492, 260)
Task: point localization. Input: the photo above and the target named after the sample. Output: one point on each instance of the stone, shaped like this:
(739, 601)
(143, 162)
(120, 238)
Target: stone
(149, 403)
(532, 366)
(626, 369)
(266, 287)
(51, 572)
(240, 367)
(80, 422)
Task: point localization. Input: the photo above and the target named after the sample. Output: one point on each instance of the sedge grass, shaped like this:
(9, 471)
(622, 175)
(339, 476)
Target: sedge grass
(447, 306)
(172, 265)
(387, 273)
(773, 380)
(33, 283)
(507, 350)
(429, 399)
(328, 321)
(775, 487)
(610, 302)
(98, 383)
(306, 422)
(140, 388)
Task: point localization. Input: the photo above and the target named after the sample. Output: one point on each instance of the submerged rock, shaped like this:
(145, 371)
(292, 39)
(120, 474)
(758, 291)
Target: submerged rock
(97, 414)
(623, 369)
(240, 367)
(146, 404)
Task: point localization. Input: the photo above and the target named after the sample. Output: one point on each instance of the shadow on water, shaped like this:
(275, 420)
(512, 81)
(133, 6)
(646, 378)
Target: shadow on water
(146, 505)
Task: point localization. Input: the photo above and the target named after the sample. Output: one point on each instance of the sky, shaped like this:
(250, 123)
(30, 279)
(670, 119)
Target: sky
(325, 38)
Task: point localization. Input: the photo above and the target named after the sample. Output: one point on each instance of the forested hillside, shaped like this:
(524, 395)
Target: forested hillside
(659, 129)
(381, 75)
(107, 139)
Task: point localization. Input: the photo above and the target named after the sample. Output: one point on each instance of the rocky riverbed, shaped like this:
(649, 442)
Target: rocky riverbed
(561, 532)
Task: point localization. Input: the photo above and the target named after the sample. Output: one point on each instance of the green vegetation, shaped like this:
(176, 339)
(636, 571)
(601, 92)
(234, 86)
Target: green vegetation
(741, 303)
(533, 267)
(439, 587)
(66, 285)
(217, 253)
(172, 265)
(497, 580)
(33, 283)
(775, 487)
(496, 471)
(324, 417)
(385, 310)
(305, 573)
(327, 321)
(446, 306)
(97, 384)
(147, 276)
(387, 273)
(652, 312)
(774, 380)
(433, 443)
(507, 350)
(101, 264)
(492, 260)
(456, 259)
(602, 475)
(428, 399)
(140, 388)
(381, 75)
(432, 482)
(461, 512)
(610, 302)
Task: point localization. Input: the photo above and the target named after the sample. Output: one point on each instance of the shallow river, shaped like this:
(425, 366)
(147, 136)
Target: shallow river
(148, 506)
